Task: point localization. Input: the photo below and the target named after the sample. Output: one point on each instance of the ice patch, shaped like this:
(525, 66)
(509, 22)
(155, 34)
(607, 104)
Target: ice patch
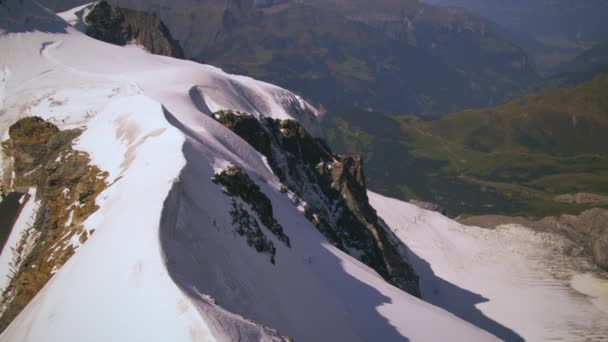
(594, 287)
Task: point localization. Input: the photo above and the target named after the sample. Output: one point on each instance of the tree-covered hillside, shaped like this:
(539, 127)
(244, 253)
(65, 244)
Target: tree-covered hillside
(512, 159)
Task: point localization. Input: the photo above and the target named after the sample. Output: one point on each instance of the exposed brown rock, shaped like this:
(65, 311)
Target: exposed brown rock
(42, 156)
(32, 130)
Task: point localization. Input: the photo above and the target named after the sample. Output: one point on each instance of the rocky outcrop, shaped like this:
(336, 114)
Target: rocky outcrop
(122, 26)
(237, 184)
(332, 190)
(39, 155)
(589, 229)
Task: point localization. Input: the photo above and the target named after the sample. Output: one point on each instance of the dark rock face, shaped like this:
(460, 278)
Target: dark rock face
(121, 26)
(333, 189)
(10, 207)
(106, 25)
(248, 226)
(238, 184)
(39, 155)
(250, 205)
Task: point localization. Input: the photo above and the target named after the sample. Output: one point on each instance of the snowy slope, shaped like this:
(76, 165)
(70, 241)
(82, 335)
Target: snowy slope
(512, 281)
(163, 263)
(75, 16)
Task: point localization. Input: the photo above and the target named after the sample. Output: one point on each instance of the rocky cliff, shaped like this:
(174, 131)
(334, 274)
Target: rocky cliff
(39, 155)
(122, 26)
(331, 189)
(589, 229)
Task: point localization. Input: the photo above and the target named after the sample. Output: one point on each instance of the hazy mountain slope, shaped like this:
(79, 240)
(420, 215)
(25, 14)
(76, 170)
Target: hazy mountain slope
(511, 159)
(63, 5)
(566, 121)
(582, 68)
(561, 28)
(575, 20)
(515, 282)
(595, 58)
(389, 56)
(169, 256)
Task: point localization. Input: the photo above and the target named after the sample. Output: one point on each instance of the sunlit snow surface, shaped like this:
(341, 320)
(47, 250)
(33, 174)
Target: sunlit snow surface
(76, 16)
(164, 263)
(512, 281)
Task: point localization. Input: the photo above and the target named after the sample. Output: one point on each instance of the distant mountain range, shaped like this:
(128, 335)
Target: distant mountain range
(582, 68)
(557, 30)
(387, 56)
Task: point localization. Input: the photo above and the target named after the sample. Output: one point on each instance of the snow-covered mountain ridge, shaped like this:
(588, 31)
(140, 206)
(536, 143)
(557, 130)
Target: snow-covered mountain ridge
(165, 259)
(207, 231)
